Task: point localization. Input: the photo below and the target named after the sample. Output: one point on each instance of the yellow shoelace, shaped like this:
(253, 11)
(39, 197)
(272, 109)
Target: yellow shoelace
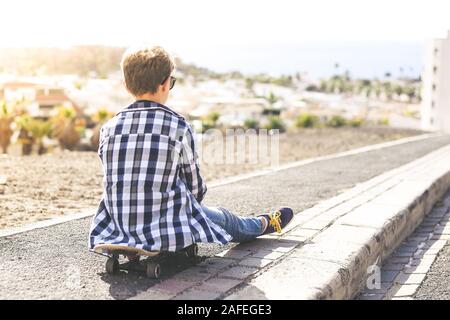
(275, 220)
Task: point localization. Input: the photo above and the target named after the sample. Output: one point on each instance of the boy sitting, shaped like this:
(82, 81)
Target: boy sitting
(152, 184)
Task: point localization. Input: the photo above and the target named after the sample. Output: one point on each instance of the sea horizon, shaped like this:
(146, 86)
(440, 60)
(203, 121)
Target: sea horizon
(318, 60)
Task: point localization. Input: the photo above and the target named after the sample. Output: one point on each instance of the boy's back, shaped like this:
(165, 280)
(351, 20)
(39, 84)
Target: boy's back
(152, 185)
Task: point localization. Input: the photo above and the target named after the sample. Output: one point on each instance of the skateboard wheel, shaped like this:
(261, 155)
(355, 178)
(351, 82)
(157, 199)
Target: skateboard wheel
(112, 265)
(192, 251)
(153, 270)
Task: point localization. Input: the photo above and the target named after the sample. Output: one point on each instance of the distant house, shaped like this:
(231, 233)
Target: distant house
(39, 100)
(232, 111)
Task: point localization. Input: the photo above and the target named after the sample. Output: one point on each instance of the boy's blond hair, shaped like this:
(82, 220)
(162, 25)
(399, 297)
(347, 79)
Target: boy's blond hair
(144, 69)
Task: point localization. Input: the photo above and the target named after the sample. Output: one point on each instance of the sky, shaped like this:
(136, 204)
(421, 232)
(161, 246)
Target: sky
(233, 34)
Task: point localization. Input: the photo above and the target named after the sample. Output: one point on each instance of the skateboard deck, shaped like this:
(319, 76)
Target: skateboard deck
(152, 266)
(110, 249)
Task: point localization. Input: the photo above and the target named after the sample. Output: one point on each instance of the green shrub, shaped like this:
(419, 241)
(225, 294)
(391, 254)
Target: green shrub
(410, 114)
(383, 122)
(275, 123)
(213, 117)
(336, 121)
(251, 124)
(306, 120)
(206, 125)
(210, 121)
(355, 122)
(312, 87)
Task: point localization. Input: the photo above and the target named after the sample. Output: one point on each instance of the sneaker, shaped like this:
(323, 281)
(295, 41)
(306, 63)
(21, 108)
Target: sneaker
(277, 220)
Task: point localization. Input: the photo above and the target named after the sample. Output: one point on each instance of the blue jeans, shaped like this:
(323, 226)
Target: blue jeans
(242, 229)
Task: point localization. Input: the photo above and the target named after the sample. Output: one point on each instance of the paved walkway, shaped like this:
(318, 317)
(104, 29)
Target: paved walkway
(419, 268)
(53, 262)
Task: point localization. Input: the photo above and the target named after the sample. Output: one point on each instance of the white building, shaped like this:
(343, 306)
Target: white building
(39, 100)
(435, 112)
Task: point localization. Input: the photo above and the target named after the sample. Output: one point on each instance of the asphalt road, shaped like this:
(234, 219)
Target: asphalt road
(54, 263)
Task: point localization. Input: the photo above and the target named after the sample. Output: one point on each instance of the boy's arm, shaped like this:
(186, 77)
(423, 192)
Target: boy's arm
(103, 136)
(100, 142)
(190, 166)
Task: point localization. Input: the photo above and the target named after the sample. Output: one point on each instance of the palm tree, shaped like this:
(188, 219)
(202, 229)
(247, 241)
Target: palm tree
(398, 90)
(249, 83)
(6, 118)
(323, 85)
(387, 87)
(377, 88)
(25, 138)
(272, 98)
(39, 129)
(336, 66)
(66, 128)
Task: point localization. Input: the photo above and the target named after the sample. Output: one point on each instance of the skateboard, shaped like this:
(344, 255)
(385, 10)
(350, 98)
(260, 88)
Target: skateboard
(152, 265)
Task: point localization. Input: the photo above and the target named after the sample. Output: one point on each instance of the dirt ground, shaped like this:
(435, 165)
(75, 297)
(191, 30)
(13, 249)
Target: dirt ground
(63, 182)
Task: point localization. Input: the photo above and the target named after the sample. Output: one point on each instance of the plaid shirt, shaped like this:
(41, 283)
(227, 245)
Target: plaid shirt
(152, 184)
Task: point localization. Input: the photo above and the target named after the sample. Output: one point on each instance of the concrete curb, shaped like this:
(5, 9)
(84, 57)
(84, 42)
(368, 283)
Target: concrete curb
(345, 237)
(48, 223)
(91, 211)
